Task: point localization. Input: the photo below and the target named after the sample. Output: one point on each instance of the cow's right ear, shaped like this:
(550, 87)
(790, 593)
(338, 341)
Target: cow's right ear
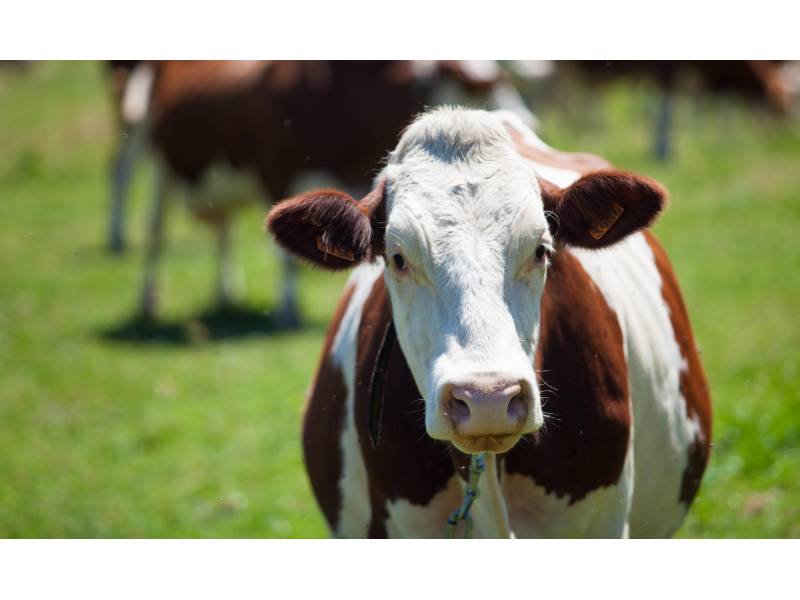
(331, 229)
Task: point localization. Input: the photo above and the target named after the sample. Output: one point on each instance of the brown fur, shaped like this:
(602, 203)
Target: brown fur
(277, 119)
(697, 459)
(329, 228)
(589, 201)
(693, 382)
(582, 449)
(323, 422)
(581, 360)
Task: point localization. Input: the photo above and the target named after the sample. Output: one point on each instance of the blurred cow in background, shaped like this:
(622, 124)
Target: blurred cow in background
(131, 83)
(773, 84)
(227, 133)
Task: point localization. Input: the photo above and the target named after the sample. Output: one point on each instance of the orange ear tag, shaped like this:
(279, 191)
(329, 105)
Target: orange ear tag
(342, 253)
(601, 228)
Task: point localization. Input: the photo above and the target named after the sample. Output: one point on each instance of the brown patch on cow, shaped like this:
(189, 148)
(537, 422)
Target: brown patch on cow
(693, 473)
(277, 119)
(579, 162)
(323, 422)
(580, 356)
(603, 207)
(406, 464)
(693, 382)
(179, 80)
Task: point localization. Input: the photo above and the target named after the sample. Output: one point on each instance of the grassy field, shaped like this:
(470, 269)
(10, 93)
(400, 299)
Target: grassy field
(193, 429)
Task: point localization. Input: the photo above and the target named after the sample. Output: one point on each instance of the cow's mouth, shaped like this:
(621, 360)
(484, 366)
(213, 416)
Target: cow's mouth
(486, 443)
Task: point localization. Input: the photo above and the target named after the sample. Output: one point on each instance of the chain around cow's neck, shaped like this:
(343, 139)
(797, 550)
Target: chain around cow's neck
(494, 497)
(479, 463)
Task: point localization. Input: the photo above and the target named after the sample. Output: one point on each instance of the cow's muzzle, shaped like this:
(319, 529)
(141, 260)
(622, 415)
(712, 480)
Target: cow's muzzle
(489, 412)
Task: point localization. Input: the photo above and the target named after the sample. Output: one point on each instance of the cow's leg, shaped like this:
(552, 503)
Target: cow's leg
(121, 171)
(288, 313)
(154, 244)
(133, 135)
(225, 292)
(663, 125)
(120, 179)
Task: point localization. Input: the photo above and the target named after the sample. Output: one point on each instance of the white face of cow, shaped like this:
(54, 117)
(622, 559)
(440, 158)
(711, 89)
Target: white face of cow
(459, 217)
(466, 246)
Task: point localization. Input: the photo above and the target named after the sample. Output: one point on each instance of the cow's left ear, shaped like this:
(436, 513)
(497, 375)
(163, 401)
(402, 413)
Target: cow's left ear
(603, 207)
(331, 229)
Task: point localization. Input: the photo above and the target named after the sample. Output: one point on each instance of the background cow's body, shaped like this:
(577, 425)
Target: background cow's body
(228, 133)
(628, 429)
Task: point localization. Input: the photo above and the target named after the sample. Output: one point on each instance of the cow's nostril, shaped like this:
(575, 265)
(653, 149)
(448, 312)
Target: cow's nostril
(517, 408)
(459, 411)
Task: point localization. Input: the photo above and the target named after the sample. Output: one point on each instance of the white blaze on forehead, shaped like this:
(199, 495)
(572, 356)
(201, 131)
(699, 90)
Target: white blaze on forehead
(456, 174)
(465, 210)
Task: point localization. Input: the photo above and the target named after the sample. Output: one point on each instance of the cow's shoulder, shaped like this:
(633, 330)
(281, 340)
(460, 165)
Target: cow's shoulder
(581, 365)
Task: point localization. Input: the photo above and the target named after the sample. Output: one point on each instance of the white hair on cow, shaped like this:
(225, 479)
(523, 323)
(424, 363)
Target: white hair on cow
(452, 135)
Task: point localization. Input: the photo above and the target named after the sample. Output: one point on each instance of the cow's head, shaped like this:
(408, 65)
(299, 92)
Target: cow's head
(466, 231)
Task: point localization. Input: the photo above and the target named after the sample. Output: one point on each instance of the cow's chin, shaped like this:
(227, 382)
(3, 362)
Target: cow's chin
(486, 443)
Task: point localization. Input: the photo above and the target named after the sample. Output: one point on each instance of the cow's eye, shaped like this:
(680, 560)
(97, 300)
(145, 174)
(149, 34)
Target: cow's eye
(541, 252)
(399, 262)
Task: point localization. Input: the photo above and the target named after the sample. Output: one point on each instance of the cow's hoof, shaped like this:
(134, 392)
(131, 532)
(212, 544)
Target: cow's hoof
(224, 305)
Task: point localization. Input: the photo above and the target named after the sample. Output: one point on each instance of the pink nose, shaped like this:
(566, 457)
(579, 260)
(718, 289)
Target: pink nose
(487, 407)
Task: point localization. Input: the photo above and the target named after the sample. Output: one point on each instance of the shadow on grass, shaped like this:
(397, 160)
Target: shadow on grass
(217, 324)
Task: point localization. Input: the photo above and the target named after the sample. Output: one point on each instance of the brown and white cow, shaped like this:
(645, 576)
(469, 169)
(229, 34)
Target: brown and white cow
(536, 318)
(227, 133)
(768, 83)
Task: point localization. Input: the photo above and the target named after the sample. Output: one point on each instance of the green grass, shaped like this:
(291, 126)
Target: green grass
(195, 433)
